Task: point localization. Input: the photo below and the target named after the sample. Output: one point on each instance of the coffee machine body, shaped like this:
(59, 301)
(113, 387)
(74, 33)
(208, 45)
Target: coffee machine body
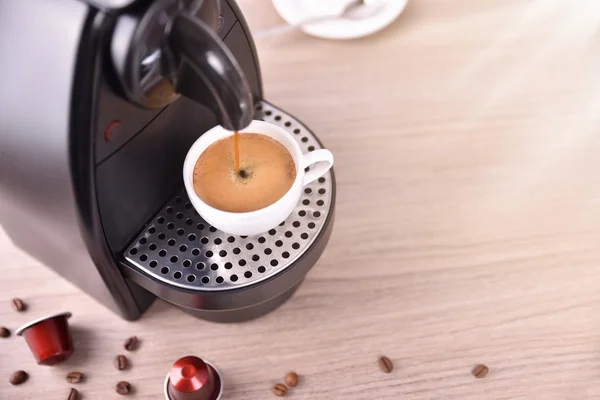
(90, 182)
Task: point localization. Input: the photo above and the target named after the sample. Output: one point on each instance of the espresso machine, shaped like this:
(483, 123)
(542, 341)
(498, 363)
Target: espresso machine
(99, 102)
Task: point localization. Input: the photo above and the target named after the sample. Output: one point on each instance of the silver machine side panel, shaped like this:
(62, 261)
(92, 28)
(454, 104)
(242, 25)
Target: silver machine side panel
(39, 42)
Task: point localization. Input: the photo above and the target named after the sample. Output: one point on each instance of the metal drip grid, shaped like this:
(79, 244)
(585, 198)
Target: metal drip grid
(179, 248)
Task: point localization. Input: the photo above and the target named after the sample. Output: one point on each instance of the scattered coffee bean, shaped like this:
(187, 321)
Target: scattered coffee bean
(4, 332)
(74, 377)
(385, 364)
(73, 395)
(18, 305)
(480, 371)
(123, 388)
(18, 377)
(291, 379)
(121, 362)
(279, 390)
(131, 343)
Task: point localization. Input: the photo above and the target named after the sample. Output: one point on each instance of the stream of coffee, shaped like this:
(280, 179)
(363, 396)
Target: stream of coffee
(236, 150)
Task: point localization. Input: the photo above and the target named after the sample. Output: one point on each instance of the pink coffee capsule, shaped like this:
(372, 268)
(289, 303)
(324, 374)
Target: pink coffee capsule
(192, 378)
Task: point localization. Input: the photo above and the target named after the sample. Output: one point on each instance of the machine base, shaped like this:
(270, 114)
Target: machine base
(219, 277)
(247, 313)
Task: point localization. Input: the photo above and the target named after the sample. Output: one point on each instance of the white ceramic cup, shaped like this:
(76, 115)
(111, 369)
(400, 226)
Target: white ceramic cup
(259, 221)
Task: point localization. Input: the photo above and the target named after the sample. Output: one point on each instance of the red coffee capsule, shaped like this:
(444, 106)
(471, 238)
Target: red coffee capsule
(49, 338)
(192, 378)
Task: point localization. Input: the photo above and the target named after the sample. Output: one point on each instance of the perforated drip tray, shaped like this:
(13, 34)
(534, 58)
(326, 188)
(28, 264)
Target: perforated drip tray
(179, 248)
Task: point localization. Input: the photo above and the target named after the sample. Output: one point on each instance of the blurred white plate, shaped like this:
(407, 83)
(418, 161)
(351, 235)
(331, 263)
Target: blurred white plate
(371, 18)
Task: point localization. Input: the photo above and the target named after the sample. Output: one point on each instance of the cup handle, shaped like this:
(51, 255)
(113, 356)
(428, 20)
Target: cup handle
(322, 156)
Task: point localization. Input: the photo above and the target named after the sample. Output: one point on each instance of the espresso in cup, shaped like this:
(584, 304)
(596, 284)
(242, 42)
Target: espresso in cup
(264, 173)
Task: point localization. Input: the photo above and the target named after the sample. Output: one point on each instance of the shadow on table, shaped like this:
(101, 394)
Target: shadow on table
(159, 308)
(83, 340)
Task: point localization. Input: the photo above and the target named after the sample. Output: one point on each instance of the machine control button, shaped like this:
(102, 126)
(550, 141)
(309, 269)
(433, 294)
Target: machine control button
(113, 131)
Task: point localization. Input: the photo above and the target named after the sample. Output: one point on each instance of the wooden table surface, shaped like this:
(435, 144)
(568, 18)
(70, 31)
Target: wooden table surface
(467, 145)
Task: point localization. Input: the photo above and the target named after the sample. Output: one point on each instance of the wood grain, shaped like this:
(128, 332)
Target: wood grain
(467, 145)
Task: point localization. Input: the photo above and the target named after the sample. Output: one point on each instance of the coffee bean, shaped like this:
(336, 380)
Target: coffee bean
(385, 364)
(480, 371)
(279, 390)
(18, 377)
(18, 305)
(73, 395)
(74, 377)
(4, 332)
(123, 388)
(120, 362)
(131, 343)
(291, 379)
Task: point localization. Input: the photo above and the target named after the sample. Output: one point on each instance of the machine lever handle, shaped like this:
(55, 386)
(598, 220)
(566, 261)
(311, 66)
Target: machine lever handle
(203, 69)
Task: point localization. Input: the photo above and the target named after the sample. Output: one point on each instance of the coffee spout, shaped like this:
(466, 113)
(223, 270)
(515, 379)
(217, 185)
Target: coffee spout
(201, 68)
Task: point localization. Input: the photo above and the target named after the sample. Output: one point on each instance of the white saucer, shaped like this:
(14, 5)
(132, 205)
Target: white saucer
(376, 15)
